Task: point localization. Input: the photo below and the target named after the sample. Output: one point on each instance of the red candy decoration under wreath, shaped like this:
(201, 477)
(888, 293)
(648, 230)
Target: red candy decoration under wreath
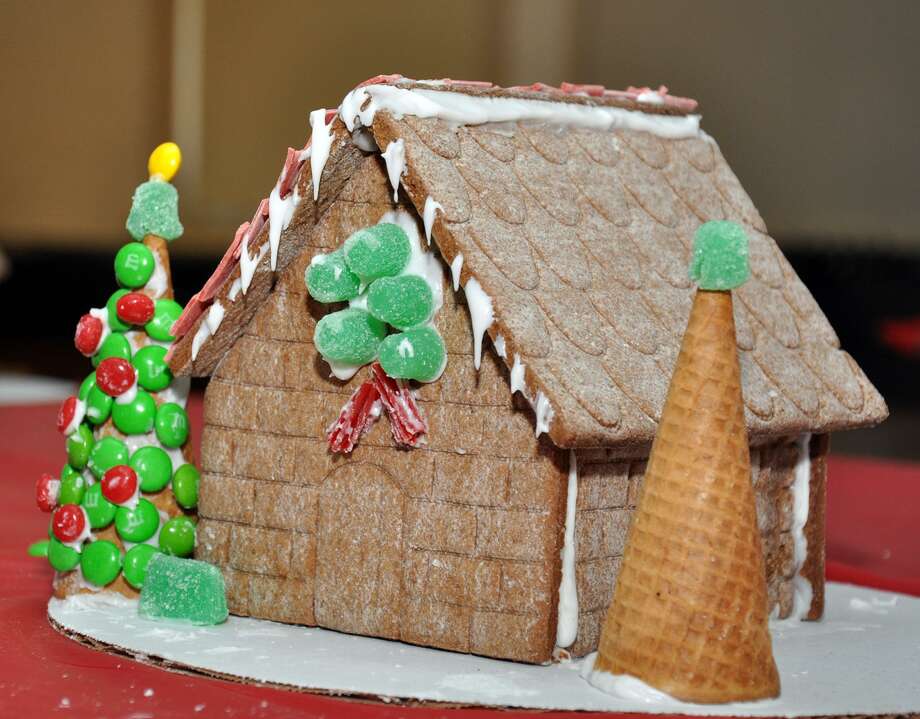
(119, 484)
(406, 422)
(115, 376)
(88, 335)
(69, 523)
(357, 416)
(46, 492)
(135, 308)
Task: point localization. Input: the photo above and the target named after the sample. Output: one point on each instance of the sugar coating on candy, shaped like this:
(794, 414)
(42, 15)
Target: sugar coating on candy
(183, 589)
(403, 302)
(378, 251)
(349, 336)
(720, 256)
(154, 211)
(329, 279)
(417, 354)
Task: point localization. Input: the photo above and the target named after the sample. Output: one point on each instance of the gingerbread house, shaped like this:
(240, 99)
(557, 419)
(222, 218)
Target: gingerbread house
(562, 219)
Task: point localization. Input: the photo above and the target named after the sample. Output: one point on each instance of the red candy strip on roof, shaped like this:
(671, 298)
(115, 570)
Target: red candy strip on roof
(381, 80)
(355, 420)
(571, 88)
(406, 422)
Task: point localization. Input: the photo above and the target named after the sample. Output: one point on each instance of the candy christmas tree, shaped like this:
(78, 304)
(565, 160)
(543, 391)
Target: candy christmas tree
(129, 487)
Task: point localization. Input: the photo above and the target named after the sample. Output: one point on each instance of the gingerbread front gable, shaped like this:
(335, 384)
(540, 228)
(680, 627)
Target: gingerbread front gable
(570, 240)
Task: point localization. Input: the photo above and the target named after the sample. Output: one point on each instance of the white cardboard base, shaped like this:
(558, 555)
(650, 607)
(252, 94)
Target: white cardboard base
(863, 658)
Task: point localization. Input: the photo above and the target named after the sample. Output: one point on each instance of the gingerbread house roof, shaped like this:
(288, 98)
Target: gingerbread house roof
(573, 209)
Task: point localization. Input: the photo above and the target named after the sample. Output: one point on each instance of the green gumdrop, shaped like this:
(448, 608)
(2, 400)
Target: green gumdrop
(39, 548)
(115, 345)
(86, 385)
(378, 251)
(112, 306)
(417, 354)
(185, 486)
(154, 211)
(136, 561)
(134, 264)
(177, 537)
(135, 417)
(79, 445)
(165, 314)
(98, 405)
(153, 467)
(62, 557)
(349, 336)
(153, 374)
(106, 453)
(72, 489)
(100, 562)
(138, 524)
(101, 512)
(720, 256)
(329, 279)
(404, 301)
(183, 589)
(171, 424)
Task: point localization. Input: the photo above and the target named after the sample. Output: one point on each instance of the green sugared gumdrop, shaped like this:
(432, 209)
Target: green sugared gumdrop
(136, 560)
(153, 374)
(62, 557)
(154, 211)
(134, 264)
(136, 416)
(177, 537)
(165, 314)
(404, 301)
(138, 524)
(183, 589)
(101, 512)
(111, 306)
(378, 251)
(153, 467)
(720, 256)
(349, 336)
(171, 424)
(72, 489)
(115, 345)
(105, 454)
(100, 562)
(185, 486)
(329, 279)
(417, 354)
(98, 405)
(79, 445)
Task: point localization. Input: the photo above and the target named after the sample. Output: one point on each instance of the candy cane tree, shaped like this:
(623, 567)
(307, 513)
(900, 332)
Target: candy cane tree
(129, 487)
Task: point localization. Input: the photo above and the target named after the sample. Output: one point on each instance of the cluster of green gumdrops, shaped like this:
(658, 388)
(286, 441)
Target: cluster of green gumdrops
(374, 272)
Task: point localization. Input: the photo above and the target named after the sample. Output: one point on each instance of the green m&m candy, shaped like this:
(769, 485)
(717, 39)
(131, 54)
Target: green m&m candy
(86, 385)
(115, 345)
(62, 557)
(329, 279)
(100, 562)
(98, 405)
(136, 416)
(417, 354)
(165, 314)
(136, 561)
(72, 488)
(378, 251)
(112, 306)
(68, 471)
(138, 524)
(185, 486)
(39, 548)
(79, 445)
(105, 454)
(100, 511)
(349, 336)
(134, 264)
(171, 424)
(404, 301)
(153, 374)
(153, 467)
(177, 537)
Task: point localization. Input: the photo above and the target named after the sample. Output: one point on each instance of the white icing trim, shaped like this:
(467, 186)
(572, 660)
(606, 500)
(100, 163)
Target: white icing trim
(499, 344)
(235, 287)
(567, 614)
(431, 206)
(280, 214)
(650, 97)
(248, 264)
(455, 268)
(129, 395)
(208, 327)
(622, 686)
(157, 284)
(395, 157)
(359, 107)
(544, 414)
(343, 372)
(517, 376)
(320, 142)
(215, 316)
(135, 441)
(801, 485)
(101, 314)
(481, 315)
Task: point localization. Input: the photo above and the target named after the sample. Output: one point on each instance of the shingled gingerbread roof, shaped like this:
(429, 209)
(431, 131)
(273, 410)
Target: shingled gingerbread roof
(581, 236)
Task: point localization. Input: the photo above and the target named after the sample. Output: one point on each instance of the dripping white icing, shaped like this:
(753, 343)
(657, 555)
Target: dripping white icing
(208, 327)
(544, 411)
(320, 142)
(359, 107)
(801, 484)
(234, 289)
(129, 396)
(480, 306)
(395, 157)
(567, 616)
(623, 686)
(248, 264)
(499, 344)
(431, 206)
(343, 372)
(455, 267)
(280, 213)
(157, 285)
(215, 316)
(102, 314)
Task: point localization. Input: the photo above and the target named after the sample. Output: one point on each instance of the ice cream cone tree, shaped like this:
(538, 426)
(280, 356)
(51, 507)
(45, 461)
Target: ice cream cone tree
(129, 487)
(689, 611)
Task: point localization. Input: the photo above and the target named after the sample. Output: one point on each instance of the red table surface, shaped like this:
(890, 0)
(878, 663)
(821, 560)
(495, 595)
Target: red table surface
(872, 540)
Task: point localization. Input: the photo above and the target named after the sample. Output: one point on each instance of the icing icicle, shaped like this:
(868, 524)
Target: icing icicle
(431, 206)
(481, 316)
(544, 411)
(455, 268)
(567, 621)
(320, 143)
(517, 376)
(395, 157)
(801, 485)
(280, 213)
(207, 327)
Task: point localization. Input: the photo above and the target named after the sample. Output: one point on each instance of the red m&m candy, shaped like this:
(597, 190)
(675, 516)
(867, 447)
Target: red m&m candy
(135, 308)
(46, 492)
(119, 484)
(88, 335)
(68, 523)
(115, 376)
(70, 415)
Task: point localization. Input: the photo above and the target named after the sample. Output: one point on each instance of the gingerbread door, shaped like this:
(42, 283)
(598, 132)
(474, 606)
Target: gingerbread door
(359, 552)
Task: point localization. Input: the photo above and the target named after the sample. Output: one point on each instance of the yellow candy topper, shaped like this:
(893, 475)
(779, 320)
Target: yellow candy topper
(164, 161)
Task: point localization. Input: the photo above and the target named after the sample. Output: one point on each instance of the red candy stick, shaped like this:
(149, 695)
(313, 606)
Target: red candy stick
(406, 422)
(46, 492)
(68, 523)
(115, 376)
(135, 308)
(88, 335)
(119, 484)
(355, 420)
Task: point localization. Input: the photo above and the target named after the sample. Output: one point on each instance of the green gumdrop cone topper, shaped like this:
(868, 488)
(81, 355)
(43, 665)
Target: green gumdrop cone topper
(720, 256)
(154, 211)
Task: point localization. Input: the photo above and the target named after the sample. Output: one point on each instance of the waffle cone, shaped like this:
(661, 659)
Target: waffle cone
(689, 612)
